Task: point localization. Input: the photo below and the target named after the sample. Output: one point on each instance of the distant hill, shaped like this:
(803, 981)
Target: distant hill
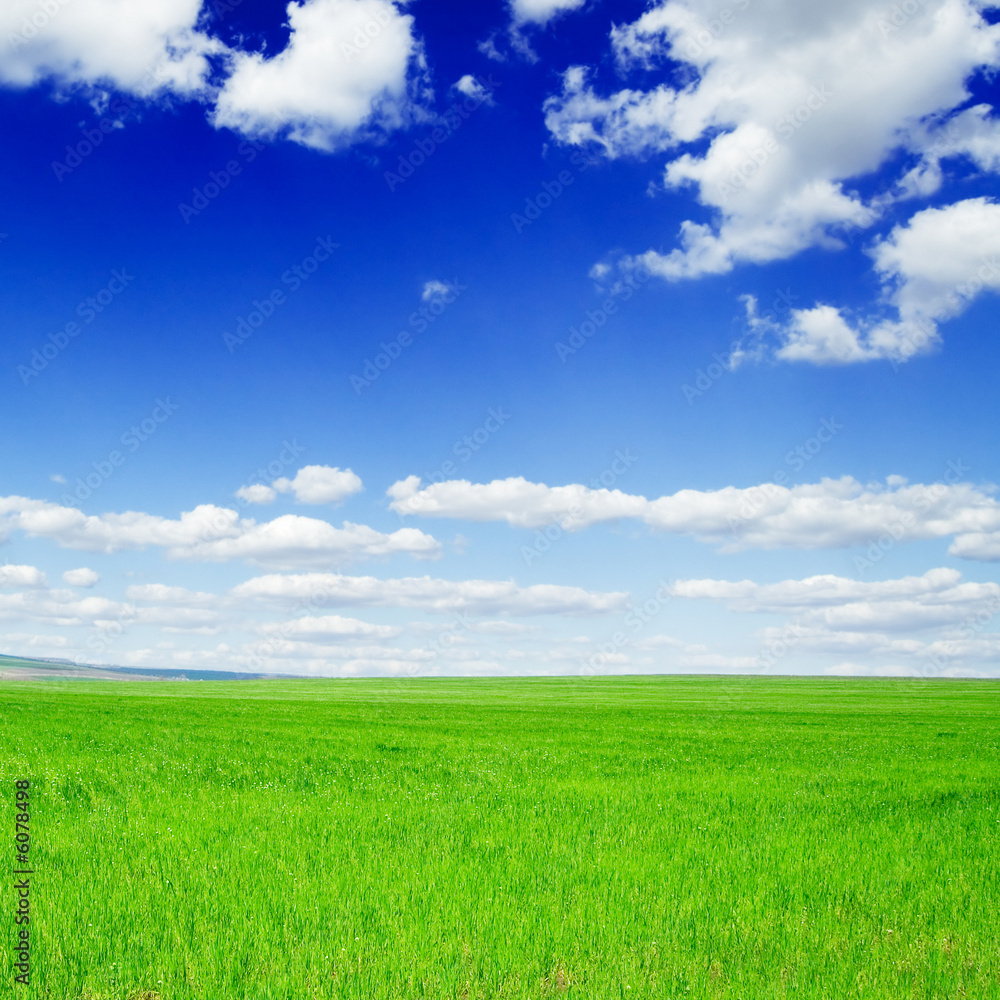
(13, 668)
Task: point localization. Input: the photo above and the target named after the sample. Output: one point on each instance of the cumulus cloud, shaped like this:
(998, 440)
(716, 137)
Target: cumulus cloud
(59, 607)
(471, 87)
(769, 127)
(42, 605)
(293, 542)
(486, 597)
(346, 72)
(834, 513)
(329, 628)
(937, 598)
(32, 641)
(515, 500)
(864, 670)
(354, 659)
(161, 593)
(21, 576)
(870, 620)
(82, 577)
(931, 268)
(972, 134)
(147, 48)
(214, 534)
(541, 11)
(351, 70)
(435, 291)
(320, 484)
(257, 493)
(312, 484)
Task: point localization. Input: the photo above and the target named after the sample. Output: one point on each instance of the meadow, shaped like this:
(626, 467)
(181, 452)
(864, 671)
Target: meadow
(660, 837)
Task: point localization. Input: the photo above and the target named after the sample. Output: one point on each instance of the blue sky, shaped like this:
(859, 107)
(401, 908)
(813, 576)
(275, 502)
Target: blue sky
(681, 316)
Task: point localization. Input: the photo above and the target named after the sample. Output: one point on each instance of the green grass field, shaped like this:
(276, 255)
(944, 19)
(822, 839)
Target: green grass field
(600, 837)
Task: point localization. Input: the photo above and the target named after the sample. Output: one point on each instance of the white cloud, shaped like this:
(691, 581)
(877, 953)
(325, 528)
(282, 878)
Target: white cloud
(21, 576)
(66, 609)
(59, 607)
(977, 545)
(471, 87)
(515, 500)
(257, 493)
(30, 640)
(82, 577)
(146, 47)
(541, 11)
(213, 534)
(931, 269)
(435, 290)
(863, 670)
(486, 597)
(834, 513)
(161, 593)
(870, 620)
(320, 484)
(913, 603)
(345, 73)
(293, 542)
(973, 133)
(329, 628)
(73, 529)
(502, 629)
(355, 659)
(489, 49)
(351, 70)
(201, 621)
(789, 116)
